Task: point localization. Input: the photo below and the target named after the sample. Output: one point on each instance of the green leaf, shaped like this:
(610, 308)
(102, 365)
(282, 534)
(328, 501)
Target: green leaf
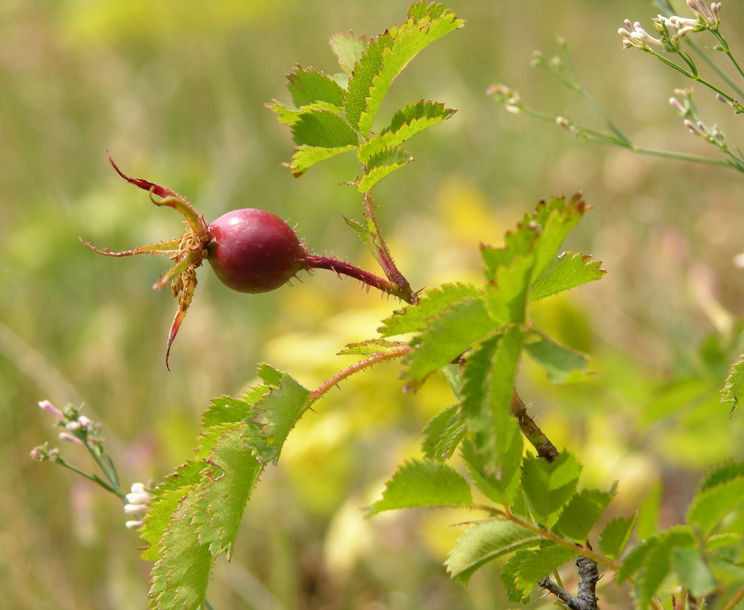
(567, 271)
(423, 483)
(563, 365)
(307, 156)
(324, 129)
(715, 502)
(372, 347)
(445, 338)
(443, 434)
(180, 577)
(348, 49)
(495, 458)
(277, 413)
(721, 474)
(548, 487)
(540, 233)
(734, 387)
(633, 561)
(405, 124)
(414, 318)
(407, 41)
(309, 86)
(693, 573)
(360, 82)
(615, 536)
(506, 293)
(167, 497)
(382, 164)
(227, 410)
(226, 486)
(485, 542)
(582, 512)
(526, 568)
(657, 561)
(719, 541)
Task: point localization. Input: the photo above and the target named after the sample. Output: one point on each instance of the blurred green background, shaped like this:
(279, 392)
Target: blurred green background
(175, 91)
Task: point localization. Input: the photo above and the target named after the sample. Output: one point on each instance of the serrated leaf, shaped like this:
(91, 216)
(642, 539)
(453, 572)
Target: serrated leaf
(307, 156)
(615, 536)
(721, 474)
(548, 487)
(445, 338)
(633, 561)
(225, 488)
(420, 10)
(734, 387)
(657, 561)
(348, 49)
(372, 347)
(567, 271)
(563, 365)
(540, 233)
(167, 497)
(180, 576)
(405, 124)
(415, 317)
(379, 166)
(719, 541)
(226, 410)
(360, 81)
(528, 567)
(711, 505)
(582, 512)
(407, 41)
(308, 86)
(485, 542)
(442, 434)
(324, 129)
(692, 571)
(506, 293)
(276, 414)
(423, 483)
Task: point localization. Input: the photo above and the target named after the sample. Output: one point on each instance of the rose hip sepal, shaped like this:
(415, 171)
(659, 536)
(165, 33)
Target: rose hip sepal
(249, 250)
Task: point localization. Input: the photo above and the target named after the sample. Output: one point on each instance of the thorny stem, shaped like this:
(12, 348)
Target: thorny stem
(384, 257)
(342, 268)
(730, 604)
(531, 430)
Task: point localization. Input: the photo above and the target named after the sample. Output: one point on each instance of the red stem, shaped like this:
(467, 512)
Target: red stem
(314, 261)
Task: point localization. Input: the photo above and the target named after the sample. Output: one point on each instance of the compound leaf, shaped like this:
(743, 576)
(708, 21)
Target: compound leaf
(485, 542)
(421, 483)
(407, 41)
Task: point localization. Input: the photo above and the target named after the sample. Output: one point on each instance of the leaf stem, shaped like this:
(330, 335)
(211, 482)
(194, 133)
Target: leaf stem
(730, 604)
(531, 430)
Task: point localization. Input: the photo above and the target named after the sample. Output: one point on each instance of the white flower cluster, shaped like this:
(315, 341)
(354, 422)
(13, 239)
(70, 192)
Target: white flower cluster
(706, 17)
(137, 504)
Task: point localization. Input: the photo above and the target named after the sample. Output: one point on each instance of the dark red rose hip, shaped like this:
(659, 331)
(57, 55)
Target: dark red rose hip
(254, 250)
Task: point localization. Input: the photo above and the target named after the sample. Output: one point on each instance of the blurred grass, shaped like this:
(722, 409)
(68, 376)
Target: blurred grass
(176, 91)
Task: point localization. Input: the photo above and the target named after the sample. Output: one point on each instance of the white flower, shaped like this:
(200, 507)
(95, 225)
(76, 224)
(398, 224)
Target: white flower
(137, 503)
(635, 36)
(711, 16)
